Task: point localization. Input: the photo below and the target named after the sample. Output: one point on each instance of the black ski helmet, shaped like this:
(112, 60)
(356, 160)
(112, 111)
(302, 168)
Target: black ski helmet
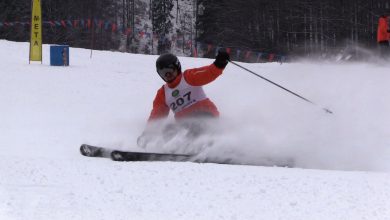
(168, 60)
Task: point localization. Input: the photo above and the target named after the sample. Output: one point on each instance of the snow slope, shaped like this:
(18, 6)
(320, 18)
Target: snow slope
(47, 112)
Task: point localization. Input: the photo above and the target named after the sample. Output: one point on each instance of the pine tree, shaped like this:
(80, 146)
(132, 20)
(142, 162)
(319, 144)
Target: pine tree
(162, 25)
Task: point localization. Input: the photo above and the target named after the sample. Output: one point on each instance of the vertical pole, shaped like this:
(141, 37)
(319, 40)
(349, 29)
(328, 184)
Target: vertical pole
(151, 18)
(133, 19)
(29, 50)
(196, 21)
(92, 17)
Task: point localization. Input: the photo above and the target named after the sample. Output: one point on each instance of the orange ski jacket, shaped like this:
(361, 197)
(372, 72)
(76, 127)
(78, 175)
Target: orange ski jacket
(194, 77)
(383, 27)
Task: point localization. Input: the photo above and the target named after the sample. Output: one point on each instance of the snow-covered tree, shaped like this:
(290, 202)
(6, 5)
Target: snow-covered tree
(162, 23)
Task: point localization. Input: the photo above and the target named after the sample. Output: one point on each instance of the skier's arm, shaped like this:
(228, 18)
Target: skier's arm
(204, 75)
(160, 109)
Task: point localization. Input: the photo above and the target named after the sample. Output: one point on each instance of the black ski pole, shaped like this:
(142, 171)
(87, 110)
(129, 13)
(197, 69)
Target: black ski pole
(299, 96)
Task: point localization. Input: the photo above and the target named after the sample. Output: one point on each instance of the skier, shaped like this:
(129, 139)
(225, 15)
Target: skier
(182, 92)
(383, 35)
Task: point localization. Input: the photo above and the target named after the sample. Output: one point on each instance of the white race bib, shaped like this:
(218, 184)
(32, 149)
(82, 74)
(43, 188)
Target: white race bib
(183, 95)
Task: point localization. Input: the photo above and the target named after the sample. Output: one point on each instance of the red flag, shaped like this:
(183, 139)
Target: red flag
(209, 47)
(128, 31)
(247, 54)
(63, 23)
(195, 52)
(113, 27)
(228, 50)
(271, 57)
(89, 23)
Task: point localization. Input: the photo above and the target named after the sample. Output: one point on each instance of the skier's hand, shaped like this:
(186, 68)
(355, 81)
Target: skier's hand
(144, 138)
(222, 58)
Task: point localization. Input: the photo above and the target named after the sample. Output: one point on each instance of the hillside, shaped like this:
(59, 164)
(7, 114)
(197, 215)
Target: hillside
(342, 160)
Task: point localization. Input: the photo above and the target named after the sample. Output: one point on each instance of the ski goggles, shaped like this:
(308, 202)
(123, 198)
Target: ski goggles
(166, 73)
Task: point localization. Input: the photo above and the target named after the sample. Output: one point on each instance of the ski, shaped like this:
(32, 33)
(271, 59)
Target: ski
(116, 155)
(95, 151)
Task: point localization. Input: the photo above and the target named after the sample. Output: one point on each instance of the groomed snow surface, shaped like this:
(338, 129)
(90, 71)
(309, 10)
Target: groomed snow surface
(342, 161)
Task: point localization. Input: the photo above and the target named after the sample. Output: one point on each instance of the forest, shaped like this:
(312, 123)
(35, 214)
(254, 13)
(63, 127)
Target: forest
(251, 29)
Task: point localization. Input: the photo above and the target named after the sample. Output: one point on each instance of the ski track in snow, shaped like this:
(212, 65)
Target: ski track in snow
(47, 112)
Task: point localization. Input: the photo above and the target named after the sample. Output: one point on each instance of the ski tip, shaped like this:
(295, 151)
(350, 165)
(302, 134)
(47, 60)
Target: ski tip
(90, 151)
(84, 150)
